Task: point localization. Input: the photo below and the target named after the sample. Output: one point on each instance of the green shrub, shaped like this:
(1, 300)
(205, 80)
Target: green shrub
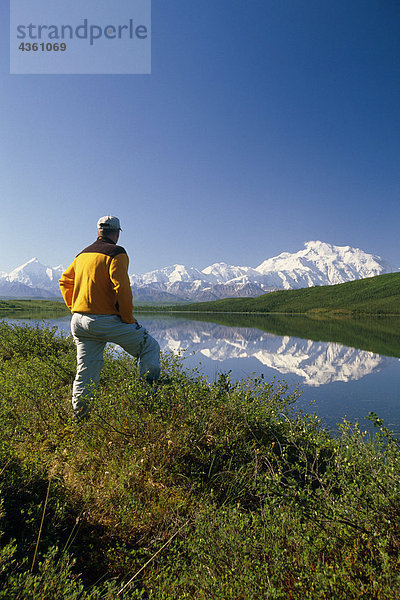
(188, 490)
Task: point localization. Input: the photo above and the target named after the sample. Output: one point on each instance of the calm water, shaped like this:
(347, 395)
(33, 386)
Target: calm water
(336, 380)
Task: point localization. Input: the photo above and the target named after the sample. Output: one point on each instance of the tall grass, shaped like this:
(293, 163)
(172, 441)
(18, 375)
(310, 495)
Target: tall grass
(189, 490)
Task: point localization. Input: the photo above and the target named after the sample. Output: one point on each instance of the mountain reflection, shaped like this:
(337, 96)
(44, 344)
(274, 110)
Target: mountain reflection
(315, 363)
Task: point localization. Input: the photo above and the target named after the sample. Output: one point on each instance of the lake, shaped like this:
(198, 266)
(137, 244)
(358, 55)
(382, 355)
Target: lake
(343, 368)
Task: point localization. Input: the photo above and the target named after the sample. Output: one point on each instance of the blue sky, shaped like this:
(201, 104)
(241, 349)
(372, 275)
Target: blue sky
(264, 124)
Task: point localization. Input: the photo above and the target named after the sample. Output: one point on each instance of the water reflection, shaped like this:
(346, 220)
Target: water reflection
(314, 363)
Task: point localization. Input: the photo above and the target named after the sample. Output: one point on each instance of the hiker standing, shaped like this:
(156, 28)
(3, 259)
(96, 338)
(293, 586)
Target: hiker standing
(96, 289)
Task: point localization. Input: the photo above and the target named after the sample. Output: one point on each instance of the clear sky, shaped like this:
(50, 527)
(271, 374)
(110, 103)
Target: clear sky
(264, 124)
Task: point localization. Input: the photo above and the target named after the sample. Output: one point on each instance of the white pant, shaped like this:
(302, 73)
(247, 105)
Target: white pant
(91, 333)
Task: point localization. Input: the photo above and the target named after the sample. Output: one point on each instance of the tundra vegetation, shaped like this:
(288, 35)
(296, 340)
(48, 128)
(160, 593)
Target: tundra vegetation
(192, 489)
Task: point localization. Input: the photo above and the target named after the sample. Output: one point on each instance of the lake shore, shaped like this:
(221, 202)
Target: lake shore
(216, 490)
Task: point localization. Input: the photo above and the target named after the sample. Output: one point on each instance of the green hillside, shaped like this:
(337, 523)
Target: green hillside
(374, 295)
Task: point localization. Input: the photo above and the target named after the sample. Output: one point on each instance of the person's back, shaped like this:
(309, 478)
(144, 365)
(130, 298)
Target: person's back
(97, 282)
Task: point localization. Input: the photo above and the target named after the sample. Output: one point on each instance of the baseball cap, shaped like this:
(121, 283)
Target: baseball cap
(109, 222)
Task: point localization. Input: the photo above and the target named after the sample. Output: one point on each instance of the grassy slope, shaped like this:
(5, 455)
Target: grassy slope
(373, 295)
(207, 491)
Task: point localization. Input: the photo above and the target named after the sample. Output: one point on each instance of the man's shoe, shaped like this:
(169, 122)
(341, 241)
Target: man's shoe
(163, 380)
(81, 417)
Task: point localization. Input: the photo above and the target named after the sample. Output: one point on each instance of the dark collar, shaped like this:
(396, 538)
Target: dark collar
(104, 238)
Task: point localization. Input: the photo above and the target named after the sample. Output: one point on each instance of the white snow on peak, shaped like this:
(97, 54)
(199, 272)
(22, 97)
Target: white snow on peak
(320, 263)
(36, 275)
(172, 274)
(222, 273)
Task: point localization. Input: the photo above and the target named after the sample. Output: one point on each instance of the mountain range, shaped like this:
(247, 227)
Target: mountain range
(319, 263)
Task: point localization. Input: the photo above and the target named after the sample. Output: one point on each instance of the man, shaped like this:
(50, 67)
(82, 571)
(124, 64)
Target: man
(97, 291)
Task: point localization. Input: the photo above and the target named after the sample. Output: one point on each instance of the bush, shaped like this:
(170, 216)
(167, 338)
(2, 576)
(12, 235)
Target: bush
(187, 490)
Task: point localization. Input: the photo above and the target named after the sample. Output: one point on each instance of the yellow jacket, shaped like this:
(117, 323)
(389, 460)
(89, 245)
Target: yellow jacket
(97, 281)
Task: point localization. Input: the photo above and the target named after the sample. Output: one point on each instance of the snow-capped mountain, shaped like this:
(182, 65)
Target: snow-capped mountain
(318, 263)
(321, 264)
(172, 274)
(31, 279)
